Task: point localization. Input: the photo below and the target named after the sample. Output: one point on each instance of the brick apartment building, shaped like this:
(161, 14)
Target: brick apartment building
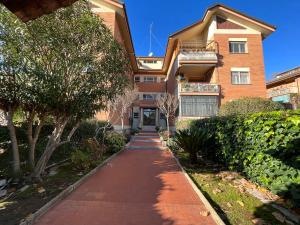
(213, 61)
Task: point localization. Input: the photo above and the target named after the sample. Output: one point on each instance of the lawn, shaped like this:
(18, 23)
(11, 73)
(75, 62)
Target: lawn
(235, 206)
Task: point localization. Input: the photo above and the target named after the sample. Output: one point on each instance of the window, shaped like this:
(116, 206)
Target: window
(240, 77)
(136, 115)
(137, 79)
(237, 46)
(199, 106)
(148, 97)
(150, 79)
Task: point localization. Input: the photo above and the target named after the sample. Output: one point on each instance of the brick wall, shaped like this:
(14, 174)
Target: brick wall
(253, 59)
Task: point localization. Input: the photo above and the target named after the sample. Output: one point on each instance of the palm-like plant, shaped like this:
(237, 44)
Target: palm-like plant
(192, 141)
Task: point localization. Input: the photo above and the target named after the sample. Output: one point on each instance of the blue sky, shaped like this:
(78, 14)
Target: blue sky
(281, 49)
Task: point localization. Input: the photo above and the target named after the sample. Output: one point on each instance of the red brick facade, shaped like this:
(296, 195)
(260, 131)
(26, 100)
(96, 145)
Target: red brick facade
(253, 60)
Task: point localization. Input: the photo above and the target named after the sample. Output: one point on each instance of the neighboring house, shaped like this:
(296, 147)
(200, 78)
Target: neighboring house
(213, 61)
(284, 85)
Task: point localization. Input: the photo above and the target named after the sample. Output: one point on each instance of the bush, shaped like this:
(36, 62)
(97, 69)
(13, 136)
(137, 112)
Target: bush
(265, 146)
(89, 156)
(183, 124)
(81, 160)
(249, 105)
(192, 141)
(114, 141)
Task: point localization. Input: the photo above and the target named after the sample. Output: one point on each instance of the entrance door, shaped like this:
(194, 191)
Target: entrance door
(149, 117)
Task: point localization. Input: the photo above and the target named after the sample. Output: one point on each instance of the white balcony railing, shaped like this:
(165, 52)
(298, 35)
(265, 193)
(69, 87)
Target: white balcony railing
(200, 87)
(197, 51)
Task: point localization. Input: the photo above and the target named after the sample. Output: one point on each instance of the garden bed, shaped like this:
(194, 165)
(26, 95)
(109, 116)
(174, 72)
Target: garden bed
(21, 204)
(233, 203)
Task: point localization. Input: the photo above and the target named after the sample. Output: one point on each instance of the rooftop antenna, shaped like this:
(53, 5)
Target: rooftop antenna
(150, 45)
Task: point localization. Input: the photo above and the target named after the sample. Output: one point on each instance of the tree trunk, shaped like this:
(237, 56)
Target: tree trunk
(33, 138)
(13, 137)
(168, 127)
(122, 122)
(53, 143)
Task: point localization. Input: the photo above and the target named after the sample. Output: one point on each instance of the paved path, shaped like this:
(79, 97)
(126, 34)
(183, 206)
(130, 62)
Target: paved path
(141, 186)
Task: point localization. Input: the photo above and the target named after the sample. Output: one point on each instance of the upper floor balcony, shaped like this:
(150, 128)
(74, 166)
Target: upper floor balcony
(198, 52)
(196, 88)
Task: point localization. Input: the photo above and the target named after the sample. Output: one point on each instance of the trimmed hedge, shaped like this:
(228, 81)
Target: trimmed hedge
(264, 146)
(249, 105)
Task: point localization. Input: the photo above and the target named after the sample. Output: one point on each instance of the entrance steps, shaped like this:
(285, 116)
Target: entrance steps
(145, 141)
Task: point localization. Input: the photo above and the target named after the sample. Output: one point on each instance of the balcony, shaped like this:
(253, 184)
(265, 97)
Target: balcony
(197, 52)
(199, 88)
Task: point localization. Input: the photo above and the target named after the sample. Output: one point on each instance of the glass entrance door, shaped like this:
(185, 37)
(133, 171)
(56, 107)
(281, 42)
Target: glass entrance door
(149, 117)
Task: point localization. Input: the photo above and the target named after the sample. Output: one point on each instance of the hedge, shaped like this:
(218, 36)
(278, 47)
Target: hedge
(264, 146)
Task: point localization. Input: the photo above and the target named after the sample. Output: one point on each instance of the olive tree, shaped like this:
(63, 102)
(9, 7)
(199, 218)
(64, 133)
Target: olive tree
(119, 106)
(73, 66)
(80, 66)
(168, 105)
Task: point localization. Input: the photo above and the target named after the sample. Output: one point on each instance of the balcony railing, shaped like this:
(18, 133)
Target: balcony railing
(197, 51)
(200, 88)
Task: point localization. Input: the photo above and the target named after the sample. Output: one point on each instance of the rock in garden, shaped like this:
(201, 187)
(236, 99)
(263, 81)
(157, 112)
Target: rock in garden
(53, 172)
(240, 203)
(2, 182)
(217, 190)
(24, 188)
(258, 221)
(279, 216)
(289, 222)
(3, 193)
(41, 190)
(204, 213)
(229, 178)
(229, 204)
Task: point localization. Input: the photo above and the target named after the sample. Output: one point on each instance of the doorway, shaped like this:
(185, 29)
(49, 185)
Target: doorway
(149, 117)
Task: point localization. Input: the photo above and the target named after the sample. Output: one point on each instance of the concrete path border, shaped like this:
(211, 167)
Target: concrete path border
(33, 217)
(206, 203)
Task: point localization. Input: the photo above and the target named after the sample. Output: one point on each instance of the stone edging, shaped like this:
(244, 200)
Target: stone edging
(206, 203)
(33, 217)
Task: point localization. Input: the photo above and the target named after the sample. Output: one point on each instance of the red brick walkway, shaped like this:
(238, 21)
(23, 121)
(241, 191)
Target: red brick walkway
(138, 187)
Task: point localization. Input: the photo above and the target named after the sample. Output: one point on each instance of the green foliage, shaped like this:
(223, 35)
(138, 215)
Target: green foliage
(114, 141)
(265, 146)
(183, 124)
(89, 156)
(249, 105)
(65, 65)
(81, 160)
(192, 141)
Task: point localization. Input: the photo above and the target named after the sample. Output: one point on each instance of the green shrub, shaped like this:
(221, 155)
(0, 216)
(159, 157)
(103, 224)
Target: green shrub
(88, 129)
(89, 156)
(81, 160)
(249, 105)
(264, 146)
(192, 141)
(114, 141)
(183, 124)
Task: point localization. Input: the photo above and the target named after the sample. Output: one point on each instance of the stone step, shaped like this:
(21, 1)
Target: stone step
(146, 136)
(146, 140)
(145, 148)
